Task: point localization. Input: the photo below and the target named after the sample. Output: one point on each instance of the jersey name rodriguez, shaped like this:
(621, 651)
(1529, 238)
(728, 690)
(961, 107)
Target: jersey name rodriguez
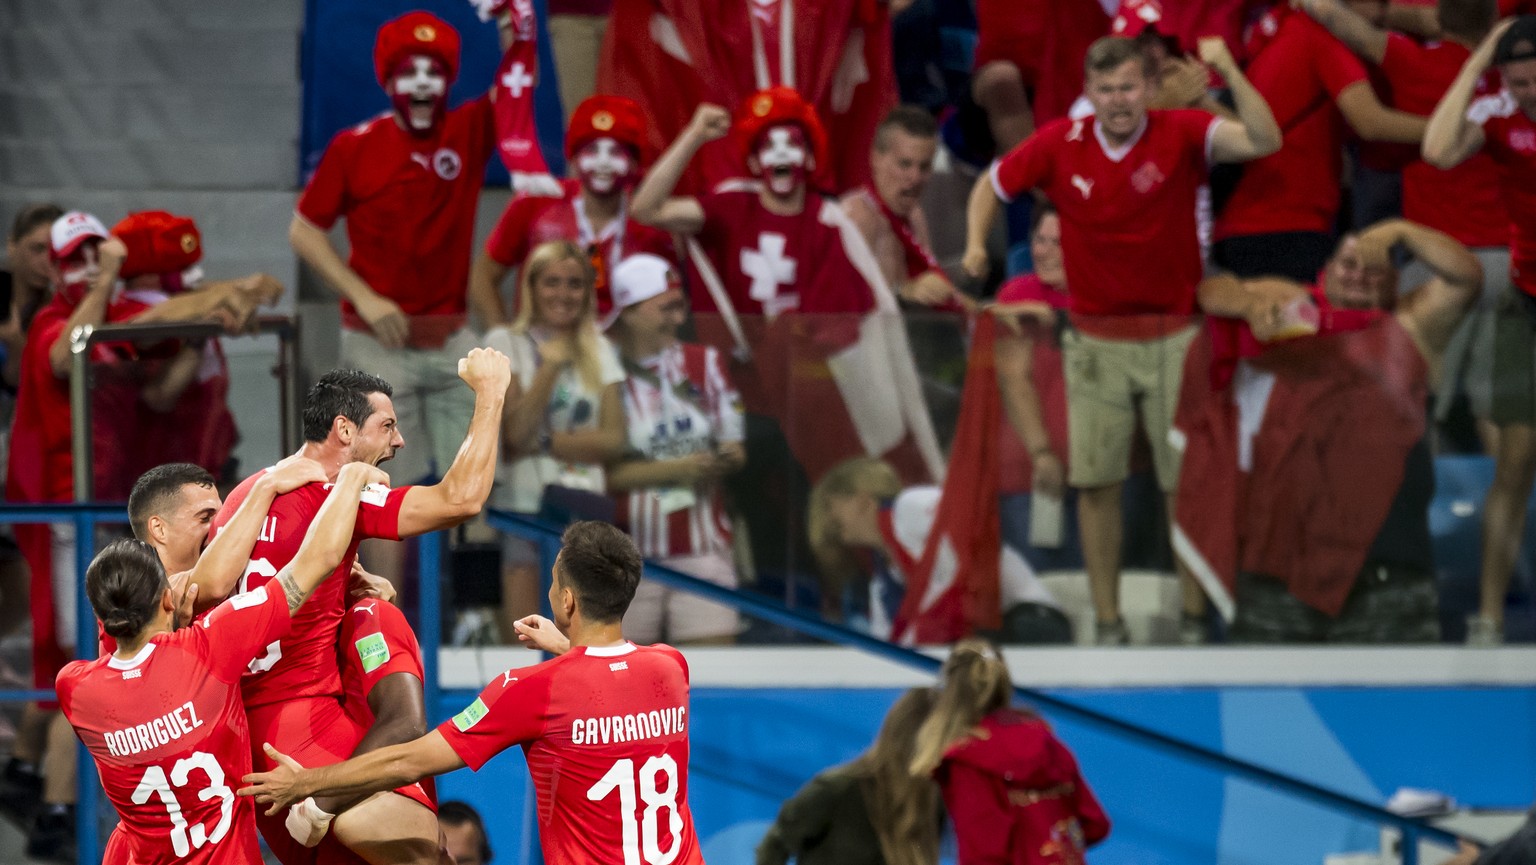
(151, 735)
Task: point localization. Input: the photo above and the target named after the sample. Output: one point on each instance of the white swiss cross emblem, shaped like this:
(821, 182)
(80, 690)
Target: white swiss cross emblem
(770, 268)
(516, 79)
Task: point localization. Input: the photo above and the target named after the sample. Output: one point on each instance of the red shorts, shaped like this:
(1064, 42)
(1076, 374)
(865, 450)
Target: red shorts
(117, 852)
(314, 731)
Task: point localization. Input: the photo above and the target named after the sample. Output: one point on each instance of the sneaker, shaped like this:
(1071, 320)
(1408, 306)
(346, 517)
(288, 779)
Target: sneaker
(1111, 633)
(21, 788)
(1484, 632)
(52, 836)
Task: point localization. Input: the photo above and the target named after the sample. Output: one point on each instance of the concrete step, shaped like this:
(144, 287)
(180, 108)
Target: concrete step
(189, 111)
(161, 15)
(158, 165)
(39, 54)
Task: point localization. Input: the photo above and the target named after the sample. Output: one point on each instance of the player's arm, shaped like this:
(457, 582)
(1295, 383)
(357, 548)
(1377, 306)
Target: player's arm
(1362, 37)
(330, 535)
(314, 248)
(384, 769)
(1451, 137)
(399, 716)
(462, 492)
(653, 203)
(218, 569)
(1254, 134)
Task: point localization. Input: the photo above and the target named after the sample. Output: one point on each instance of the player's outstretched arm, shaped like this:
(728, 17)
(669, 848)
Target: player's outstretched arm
(218, 570)
(462, 492)
(329, 536)
(384, 769)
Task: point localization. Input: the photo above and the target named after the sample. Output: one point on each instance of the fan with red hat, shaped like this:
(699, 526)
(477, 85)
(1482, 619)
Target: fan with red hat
(158, 242)
(781, 139)
(604, 143)
(416, 57)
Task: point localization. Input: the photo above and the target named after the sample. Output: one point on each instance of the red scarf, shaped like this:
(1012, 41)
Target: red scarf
(512, 97)
(1233, 340)
(918, 259)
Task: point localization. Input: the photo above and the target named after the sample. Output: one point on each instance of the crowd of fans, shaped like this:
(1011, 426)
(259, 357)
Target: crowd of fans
(1269, 248)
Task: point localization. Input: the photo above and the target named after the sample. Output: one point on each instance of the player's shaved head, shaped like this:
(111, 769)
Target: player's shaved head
(157, 493)
(340, 393)
(601, 565)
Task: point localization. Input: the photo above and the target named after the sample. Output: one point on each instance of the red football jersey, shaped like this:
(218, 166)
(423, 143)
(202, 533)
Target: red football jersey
(376, 641)
(409, 203)
(168, 732)
(1299, 69)
(1128, 227)
(1464, 202)
(1510, 138)
(530, 220)
(772, 264)
(303, 664)
(605, 731)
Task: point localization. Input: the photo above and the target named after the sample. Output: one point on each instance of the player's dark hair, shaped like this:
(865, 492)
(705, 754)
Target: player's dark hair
(158, 490)
(31, 216)
(1468, 19)
(911, 119)
(602, 566)
(456, 813)
(1109, 53)
(340, 393)
(125, 582)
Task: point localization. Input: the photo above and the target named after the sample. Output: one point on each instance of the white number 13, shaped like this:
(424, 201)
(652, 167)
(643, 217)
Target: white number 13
(622, 778)
(155, 783)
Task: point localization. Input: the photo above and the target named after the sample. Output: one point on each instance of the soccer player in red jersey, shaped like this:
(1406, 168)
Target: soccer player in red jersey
(1504, 127)
(1125, 182)
(293, 695)
(604, 726)
(162, 715)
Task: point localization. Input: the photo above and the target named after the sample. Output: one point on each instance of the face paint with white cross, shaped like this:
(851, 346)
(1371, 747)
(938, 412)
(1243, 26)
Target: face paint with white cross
(604, 166)
(419, 93)
(783, 158)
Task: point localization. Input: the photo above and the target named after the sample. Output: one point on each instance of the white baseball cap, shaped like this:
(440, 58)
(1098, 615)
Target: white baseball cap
(71, 230)
(637, 279)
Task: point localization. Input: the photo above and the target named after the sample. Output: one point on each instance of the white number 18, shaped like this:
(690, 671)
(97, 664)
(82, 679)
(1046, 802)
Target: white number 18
(622, 778)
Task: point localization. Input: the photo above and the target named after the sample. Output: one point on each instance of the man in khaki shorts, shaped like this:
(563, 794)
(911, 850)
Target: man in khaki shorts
(1126, 182)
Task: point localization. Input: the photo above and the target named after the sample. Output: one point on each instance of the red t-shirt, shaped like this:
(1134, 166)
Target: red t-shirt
(1128, 219)
(1046, 40)
(1299, 69)
(303, 663)
(1015, 465)
(605, 731)
(376, 641)
(1464, 202)
(410, 204)
(1510, 138)
(168, 732)
(530, 220)
(41, 463)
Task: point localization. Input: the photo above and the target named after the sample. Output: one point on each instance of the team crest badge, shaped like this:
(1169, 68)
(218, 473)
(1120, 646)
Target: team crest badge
(188, 242)
(447, 163)
(762, 105)
(602, 121)
(425, 33)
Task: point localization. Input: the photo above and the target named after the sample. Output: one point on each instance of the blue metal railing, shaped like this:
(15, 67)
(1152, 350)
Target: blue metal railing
(773, 611)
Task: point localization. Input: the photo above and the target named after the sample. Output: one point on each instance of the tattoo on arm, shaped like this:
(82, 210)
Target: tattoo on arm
(291, 588)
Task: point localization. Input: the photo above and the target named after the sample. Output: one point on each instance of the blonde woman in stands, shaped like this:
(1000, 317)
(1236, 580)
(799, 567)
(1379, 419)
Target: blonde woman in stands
(1011, 788)
(872, 811)
(564, 414)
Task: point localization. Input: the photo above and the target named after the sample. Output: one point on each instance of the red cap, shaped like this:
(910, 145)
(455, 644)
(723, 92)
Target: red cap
(602, 116)
(70, 230)
(777, 105)
(416, 33)
(158, 242)
(1135, 17)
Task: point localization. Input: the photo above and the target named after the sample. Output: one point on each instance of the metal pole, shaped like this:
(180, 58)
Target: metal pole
(87, 844)
(80, 412)
(287, 372)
